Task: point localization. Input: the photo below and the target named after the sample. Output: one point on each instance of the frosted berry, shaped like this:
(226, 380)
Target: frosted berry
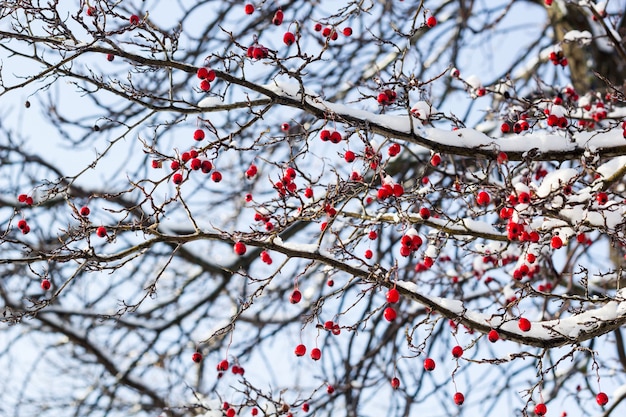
(459, 398)
(457, 351)
(300, 350)
(393, 296)
(524, 324)
(134, 19)
(602, 399)
(249, 8)
(541, 409)
(429, 364)
(45, 284)
(493, 336)
(196, 357)
(240, 248)
(395, 383)
(316, 354)
(84, 211)
(390, 314)
(101, 231)
(483, 198)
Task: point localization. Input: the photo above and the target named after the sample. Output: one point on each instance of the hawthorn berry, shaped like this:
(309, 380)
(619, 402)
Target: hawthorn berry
(196, 357)
(249, 8)
(459, 398)
(308, 192)
(431, 22)
(368, 254)
(541, 409)
(602, 399)
(206, 166)
(505, 127)
(198, 134)
(231, 412)
(223, 365)
(429, 364)
(347, 31)
(316, 354)
(395, 383)
(393, 296)
(457, 351)
(278, 17)
(134, 19)
(556, 242)
(305, 407)
(101, 231)
(602, 198)
(110, 57)
(251, 171)
(330, 283)
(45, 284)
(240, 248)
(91, 11)
(424, 213)
(177, 178)
(216, 176)
(289, 38)
(435, 159)
(205, 85)
(21, 224)
(493, 336)
(524, 324)
(483, 198)
(394, 150)
(390, 314)
(349, 156)
(300, 350)
(84, 211)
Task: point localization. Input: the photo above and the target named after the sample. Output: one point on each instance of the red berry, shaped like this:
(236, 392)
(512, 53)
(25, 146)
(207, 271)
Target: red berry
(196, 357)
(91, 11)
(505, 128)
(22, 224)
(206, 166)
(330, 389)
(110, 57)
(284, 127)
(424, 213)
(317, 27)
(602, 399)
(205, 85)
(278, 17)
(22, 198)
(459, 398)
(295, 297)
(308, 192)
(134, 19)
(541, 409)
(305, 407)
(395, 383)
(347, 31)
(483, 198)
(84, 211)
(431, 21)
(316, 354)
(368, 254)
(240, 248)
(223, 365)
(429, 364)
(393, 296)
(524, 324)
(330, 283)
(45, 285)
(177, 178)
(251, 171)
(202, 73)
(289, 38)
(300, 350)
(198, 134)
(249, 8)
(231, 412)
(493, 336)
(602, 198)
(435, 160)
(255, 411)
(216, 176)
(556, 242)
(457, 351)
(502, 158)
(349, 156)
(390, 314)
(394, 150)
(101, 231)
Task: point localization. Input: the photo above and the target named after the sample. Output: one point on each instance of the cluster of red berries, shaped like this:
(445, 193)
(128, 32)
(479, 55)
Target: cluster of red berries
(206, 76)
(266, 258)
(257, 51)
(410, 242)
(558, 58)
(390, 189)
(330, 135)
(23, 226)
(251, 171)
(330, 32)
(517, 127)
(287, 184)
(332, 327)
(386, 97)
(195, 164)
(26, 199)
